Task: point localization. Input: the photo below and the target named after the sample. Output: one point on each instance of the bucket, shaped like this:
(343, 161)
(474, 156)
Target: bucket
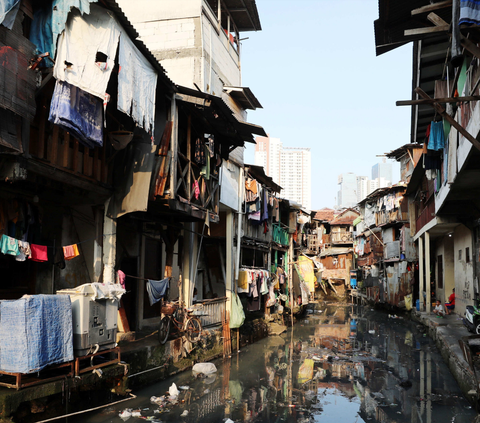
(418, 305)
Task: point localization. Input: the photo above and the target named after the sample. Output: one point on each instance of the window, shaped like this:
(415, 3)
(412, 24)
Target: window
(440, 272)
(459, 254)
(467, 255)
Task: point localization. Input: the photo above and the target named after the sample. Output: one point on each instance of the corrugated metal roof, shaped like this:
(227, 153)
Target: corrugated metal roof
(324, 214)
(258, 173)
(133, 34)
(341, 219)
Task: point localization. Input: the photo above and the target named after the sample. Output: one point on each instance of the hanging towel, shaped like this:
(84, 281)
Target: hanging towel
(157, 289)
(39, 252)
(469, 12)
(242, 281)
(70, 251)
(436, 140)
(9, 245)
(196, 189)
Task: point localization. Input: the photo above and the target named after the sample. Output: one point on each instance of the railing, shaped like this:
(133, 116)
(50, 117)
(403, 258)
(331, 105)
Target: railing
(341, 237)
(427, 214)
(212, 312)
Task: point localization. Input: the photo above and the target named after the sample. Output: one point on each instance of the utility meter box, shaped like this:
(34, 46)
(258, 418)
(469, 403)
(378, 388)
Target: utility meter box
(94, 315)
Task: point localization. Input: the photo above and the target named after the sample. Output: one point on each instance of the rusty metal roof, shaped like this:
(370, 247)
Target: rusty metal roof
(324, 214)
(341, 219)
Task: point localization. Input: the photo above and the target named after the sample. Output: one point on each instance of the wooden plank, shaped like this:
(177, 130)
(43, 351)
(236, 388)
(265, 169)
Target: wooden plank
(75, 156)
(163, 175)
(441, 110)
(189, 156)
(428, 30)
(95, 163)
(103, 165)
(66, 146)
(470, 46)
(438, 100)
(436, 20)
(41, 130)
(193, 100)
(123, 325)
(430, 7)
(53, 151)
(165, 141)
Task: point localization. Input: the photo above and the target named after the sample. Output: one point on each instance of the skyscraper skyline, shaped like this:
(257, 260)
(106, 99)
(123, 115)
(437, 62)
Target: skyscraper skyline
(289, 167)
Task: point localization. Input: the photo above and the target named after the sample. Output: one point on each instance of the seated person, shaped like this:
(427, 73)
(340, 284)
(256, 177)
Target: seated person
(439, 310)
(450, 304)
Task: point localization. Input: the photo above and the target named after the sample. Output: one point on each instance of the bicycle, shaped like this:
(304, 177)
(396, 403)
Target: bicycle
(183, 321)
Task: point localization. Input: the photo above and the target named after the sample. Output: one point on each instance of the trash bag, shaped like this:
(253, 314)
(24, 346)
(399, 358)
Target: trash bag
(238, 315)
(205, 368)
(408, 302)
(173, 391)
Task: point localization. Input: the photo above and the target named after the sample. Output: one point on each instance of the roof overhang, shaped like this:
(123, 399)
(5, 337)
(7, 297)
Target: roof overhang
(218, 117)
(243, 96)
(258, 172)
(244, 13)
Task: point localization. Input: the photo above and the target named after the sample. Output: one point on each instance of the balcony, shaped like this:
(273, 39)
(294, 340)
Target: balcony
(341, 238)
(427, 214)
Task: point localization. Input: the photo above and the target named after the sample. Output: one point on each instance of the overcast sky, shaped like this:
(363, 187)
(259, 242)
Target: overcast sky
(314, 70)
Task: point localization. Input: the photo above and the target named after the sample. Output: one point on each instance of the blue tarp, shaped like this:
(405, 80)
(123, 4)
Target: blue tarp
(35, 331)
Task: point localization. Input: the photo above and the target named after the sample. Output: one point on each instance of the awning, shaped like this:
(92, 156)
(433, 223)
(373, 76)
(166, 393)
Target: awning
(244, 97)
(219, 117)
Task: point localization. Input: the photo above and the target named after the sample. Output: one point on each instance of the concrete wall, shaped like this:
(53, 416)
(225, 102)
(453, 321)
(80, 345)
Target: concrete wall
(464, 286)
(444, 248)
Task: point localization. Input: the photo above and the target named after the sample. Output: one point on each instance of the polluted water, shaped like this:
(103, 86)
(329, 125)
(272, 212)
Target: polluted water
(338, 363)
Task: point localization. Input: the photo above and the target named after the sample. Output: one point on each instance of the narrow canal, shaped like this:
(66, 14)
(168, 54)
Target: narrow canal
(340, 363)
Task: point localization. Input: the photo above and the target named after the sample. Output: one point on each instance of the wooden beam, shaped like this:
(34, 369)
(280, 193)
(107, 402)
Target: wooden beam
(430, 7)
(436, 20)
(441, 110)
(427, 30)
(438, 100)
(194, 100)
(470, 46)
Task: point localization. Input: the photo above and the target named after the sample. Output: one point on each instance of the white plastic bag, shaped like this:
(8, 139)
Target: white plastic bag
(173, 391)
(205, 368)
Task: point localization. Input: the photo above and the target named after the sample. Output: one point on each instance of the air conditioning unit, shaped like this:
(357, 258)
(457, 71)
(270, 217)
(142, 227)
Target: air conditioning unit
(94, 315)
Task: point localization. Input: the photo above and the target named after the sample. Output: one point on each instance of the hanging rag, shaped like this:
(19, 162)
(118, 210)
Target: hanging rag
(70, 252)
(469, 13)
(24, 248)
(200, 152)
(121, 278)
(137, 85)
(78, 45)
(196, 189)
(157, 290)
(77, 112)
(39, 253)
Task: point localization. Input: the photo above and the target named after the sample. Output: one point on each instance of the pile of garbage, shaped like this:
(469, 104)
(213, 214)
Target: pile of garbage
(175, 397)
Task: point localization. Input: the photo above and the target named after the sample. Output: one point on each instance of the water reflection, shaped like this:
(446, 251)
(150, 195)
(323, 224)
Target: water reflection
(340, 363)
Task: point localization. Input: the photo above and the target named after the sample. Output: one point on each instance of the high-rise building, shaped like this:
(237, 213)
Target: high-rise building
(382, 170)
(347, 190)
(288, 167)
(362, 187)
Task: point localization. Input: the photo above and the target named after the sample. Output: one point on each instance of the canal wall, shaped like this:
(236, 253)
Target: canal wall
(447, 332)
(143, 361)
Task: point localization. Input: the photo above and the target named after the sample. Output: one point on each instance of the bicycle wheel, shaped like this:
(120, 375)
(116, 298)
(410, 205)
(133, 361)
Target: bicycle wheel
(164, 329)
(193, 329)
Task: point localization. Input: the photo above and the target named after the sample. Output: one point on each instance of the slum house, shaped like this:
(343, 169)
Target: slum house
(264, 243)
(62, 137)
(336, 256)
(385, 229)
(445, 68)
(198, 43)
